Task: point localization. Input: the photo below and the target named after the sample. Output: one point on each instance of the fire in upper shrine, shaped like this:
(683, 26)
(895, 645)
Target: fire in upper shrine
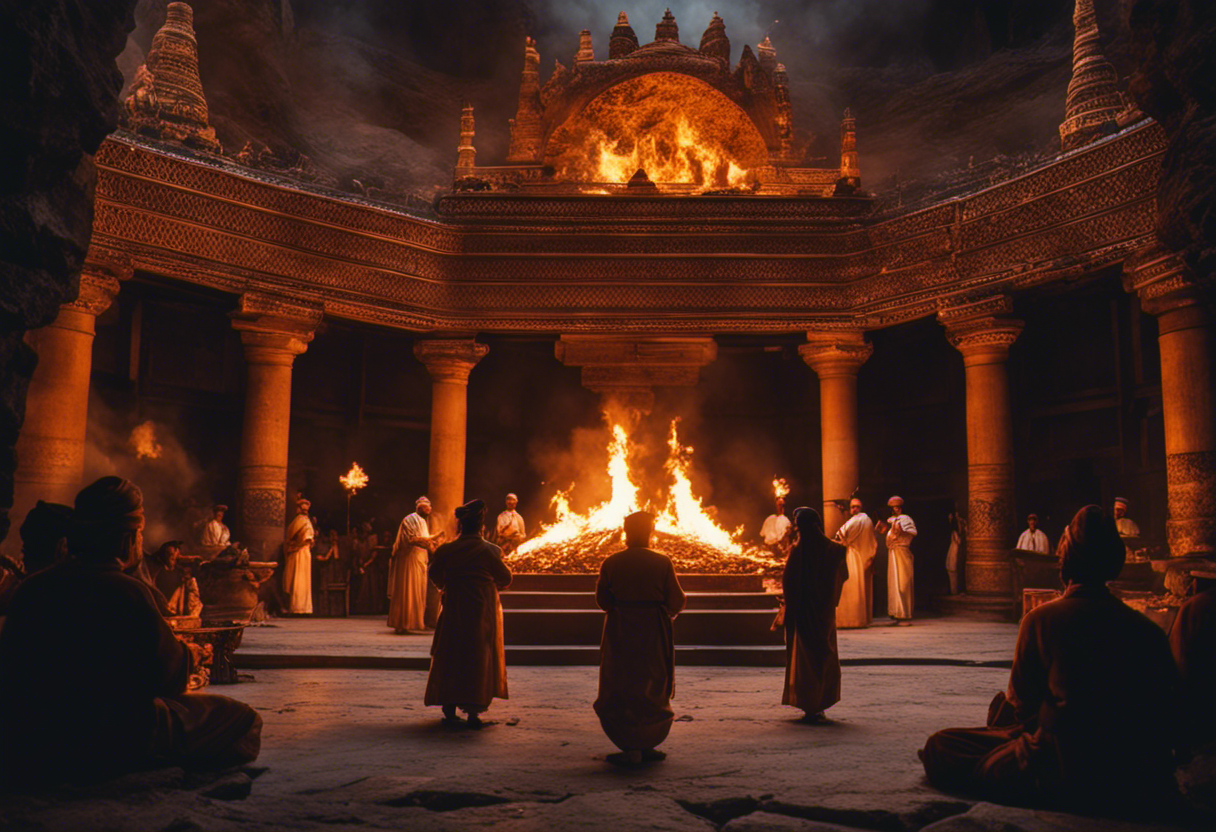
(144, 442)
(684, 529)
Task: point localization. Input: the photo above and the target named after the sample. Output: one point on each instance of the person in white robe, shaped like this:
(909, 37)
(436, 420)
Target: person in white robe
(407, 579)
(297, 561)
(215, 533)
(900, 531)
(510, 530)
(958, 528)
(857, 596)
(775, 532)
(1126, 526)
(1033, 539)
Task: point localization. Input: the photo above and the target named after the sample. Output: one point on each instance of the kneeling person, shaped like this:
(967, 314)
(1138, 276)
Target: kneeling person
(640, 594)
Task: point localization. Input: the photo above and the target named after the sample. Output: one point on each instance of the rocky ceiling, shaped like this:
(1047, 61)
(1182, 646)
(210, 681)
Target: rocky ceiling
(370, 90)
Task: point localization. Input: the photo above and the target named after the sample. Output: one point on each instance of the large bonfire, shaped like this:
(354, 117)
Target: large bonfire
(683, 530)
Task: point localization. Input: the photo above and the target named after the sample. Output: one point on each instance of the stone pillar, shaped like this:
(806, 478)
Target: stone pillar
(836, 357)
(1169, 290)
(983, 334)
(50, 449)
(273, 331)
(449, 362)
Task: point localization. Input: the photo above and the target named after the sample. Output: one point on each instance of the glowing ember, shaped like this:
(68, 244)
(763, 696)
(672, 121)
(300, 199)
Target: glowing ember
(781, 488)
(683, 529)
(143, 441)
(354, 479)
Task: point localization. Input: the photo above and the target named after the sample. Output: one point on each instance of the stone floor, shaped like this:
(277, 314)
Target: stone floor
(357, 749)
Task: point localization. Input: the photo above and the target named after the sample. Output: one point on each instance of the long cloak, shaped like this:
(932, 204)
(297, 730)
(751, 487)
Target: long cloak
(1193, 642)
(297, 564)
(407, 584)
(639, 594)
(93, 682)
(857, 534)
(899, 567)
(812, 581)
(468, 661)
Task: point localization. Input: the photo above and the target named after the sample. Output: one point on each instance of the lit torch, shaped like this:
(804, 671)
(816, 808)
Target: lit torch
(352, 481)
(781, 488)
(143, 441)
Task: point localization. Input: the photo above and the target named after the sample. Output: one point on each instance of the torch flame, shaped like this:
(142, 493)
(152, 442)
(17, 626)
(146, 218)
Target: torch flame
(354, 479)
(781, 488)
(143, 441)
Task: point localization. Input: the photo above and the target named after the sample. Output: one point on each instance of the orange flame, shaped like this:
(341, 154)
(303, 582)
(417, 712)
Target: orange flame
(354, 479)
(781, 488)
(143, 441)
(679, 157)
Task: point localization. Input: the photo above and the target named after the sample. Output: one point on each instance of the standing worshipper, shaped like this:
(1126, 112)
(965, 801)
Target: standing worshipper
(1033, 538)
(958, 528)
(900, 531)
(407, 581)
(640, 595)
(1127, 526)
(215, 533)
(94, 679)
(468, 662)
(371, 589)
(811, 583)
(297, 561)
(1193, 643)
(1087, 722)
(510, 528)
(775, 532)
(857, 596)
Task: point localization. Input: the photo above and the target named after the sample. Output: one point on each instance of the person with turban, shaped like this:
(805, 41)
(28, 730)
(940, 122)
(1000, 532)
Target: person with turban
(44, 541)
(297, 560)
(857, 596)
(510, 529)
(640, 594)
(407, 581)
(1086, 721)
(468, 662)
(812, 582)
(900, 530)
(92, 679)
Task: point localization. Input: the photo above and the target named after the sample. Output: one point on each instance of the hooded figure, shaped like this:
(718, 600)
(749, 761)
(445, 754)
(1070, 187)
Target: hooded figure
(814, 576)
(92, 679)
(468, 662)
(640, 595)
(1086, 720)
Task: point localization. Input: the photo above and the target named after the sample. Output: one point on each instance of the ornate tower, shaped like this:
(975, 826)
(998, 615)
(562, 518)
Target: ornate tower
(623, 39)
(767, 55)
(526, 127)
(785, 111)
(850, 167)
(585, 50)
(666, 29)
(166, 100)
(466, 154)
(1094, 101)
(714, 43)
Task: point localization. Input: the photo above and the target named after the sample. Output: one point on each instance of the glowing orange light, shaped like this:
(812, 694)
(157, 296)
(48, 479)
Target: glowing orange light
(781, 488)
(354, 479)
(144, 443)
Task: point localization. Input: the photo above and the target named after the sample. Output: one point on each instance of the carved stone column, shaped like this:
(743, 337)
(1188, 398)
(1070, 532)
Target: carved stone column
(626, 368)
(449, 361)
(274, 331)
(836, 357)
(983, 334)
(1169, 290)
(50, 449)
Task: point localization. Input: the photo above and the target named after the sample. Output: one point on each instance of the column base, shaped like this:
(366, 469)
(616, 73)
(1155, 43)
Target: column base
(983, 607)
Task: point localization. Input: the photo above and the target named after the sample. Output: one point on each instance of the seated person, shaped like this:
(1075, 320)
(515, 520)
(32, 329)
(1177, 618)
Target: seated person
(93, 671)
(43, 542)
(173, 581)
(1085, 723)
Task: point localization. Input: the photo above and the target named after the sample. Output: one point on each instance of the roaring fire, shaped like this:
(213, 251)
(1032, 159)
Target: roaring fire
(781, 488)
(683, 528)
(143, 441)
(677, 155)
(354, 479)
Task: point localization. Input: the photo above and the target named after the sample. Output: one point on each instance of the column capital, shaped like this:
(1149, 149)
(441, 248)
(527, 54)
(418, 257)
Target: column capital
(97, 292)
(982, 330)
(274, 329)
(1165, 283)
(450, 359)
(836, 353)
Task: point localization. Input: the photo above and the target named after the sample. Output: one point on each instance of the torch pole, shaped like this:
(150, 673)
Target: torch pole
(349, 494)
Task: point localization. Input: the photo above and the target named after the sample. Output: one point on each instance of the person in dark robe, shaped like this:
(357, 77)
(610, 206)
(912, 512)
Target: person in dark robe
(1085, 722)
(468, 662)
(173, 580)
(640, 595)
(813, 579)
(44, 541)
(1193, 643)
(92, 679)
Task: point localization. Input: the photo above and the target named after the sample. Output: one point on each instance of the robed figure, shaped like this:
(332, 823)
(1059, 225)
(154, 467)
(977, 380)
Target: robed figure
(640, 595)
(407, 581)
(297, 560)
(857, 596)
(811, 583)
(1087, 720)
(468, 661)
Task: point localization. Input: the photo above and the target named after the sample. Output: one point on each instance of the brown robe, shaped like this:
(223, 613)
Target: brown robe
(1193, 643)
(812, 582)
(468, 661)
(640, 594)
(92, 683)
(1085, 720)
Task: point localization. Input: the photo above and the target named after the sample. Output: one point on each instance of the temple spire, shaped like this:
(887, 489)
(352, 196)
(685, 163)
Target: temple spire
(767, 55)
(586, 52)
(714, 43)
(466, 154)
(166, 101)
(1094, 101)
(526, 128)
(666, 29)
(850, 166)
(623, 40)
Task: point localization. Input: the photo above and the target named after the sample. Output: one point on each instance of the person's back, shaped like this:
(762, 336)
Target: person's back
(635, 575)
(1193, 642)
